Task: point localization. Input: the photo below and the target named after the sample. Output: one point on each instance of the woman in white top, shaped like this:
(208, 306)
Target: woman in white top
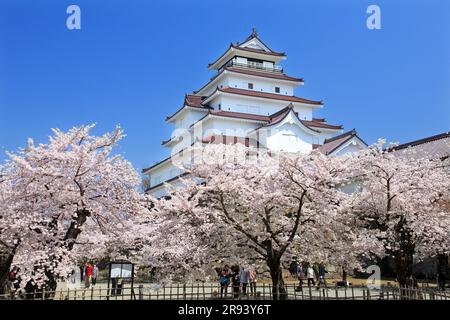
(310, 275)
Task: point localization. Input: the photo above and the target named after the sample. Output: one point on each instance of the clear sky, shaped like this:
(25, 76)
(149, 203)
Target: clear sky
(133, 61)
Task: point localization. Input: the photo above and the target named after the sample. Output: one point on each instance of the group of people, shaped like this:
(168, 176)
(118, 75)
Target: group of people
(312, 273)
(239, 278)
(88, 274)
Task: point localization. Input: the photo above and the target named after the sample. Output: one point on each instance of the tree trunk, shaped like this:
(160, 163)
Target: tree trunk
(403, 265)
(6, 260)
(278, 287)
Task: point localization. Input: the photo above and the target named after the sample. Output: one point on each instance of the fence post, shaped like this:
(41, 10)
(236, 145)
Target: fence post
(92, 293)
(184, 291)
(141, 292)
(203, 288)
(310, 293)
(43, 293)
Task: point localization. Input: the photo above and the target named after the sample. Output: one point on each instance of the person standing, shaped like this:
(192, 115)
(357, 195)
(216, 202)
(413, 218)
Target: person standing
(252, 281)
(82, 273)
(72, 276)
(244, 280)
(310, 275)
(235, 281)
(88, 275)
(300, 276)
(316, 270)
(441, 279)
(293, 267)
(322, 271)
(94, 274)
(224, 280)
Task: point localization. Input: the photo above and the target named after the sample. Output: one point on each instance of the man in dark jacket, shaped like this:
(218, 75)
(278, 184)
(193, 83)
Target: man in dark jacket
(236, 281)
(321, 271)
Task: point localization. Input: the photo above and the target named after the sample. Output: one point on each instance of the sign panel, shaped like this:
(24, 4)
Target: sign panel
(120, 270)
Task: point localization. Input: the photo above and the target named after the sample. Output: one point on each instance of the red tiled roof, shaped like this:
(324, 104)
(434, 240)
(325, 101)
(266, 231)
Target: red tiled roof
(280, 115)
(267, 95)
(193, 101)
(330, 145)
(240, 115)
(270, 120)
(273, 75)
(320, 124)
(271, 53)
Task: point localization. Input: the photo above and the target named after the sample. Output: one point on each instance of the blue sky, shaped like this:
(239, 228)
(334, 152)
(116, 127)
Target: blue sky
(133, 61)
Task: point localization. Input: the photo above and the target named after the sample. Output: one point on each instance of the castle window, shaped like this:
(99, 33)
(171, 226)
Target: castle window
(277, 89)
(250, 85)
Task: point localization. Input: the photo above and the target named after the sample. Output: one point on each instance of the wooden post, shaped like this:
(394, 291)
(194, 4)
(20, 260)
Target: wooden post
(43, 293)
(184, 291)
(203, 286)
(92, 293)
(141, 292)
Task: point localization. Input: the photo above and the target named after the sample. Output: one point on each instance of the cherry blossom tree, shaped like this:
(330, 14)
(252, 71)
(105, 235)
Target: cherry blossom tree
(257, 209)
(55, 192)
(401, 201)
